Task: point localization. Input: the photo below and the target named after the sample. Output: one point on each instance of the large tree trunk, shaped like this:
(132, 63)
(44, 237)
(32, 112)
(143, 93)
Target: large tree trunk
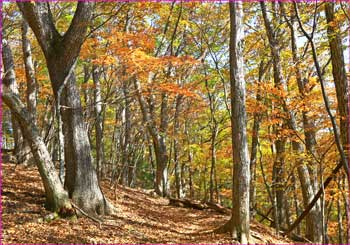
(61, 53)
(241, 170)
(56, 196)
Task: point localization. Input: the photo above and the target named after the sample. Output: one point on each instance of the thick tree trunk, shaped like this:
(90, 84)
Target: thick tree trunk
(241, 171)
(61, 53)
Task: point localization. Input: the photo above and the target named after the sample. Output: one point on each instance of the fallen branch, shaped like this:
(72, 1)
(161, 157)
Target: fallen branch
(265, 216)
(186, 203)
(87, 215)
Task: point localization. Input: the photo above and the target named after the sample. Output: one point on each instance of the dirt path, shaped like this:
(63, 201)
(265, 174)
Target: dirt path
(141, 218)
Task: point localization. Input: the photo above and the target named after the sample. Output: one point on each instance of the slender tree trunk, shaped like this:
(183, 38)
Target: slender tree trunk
(339, 213)
(213, 162)
(307, 175)
(178, 170)
(56, 196)
(278, 167)
(158, 138)
(254, 146)
(126, 161)
(96, 73)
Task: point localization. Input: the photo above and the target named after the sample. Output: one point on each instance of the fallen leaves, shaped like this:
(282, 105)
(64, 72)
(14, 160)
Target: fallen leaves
(141, 218)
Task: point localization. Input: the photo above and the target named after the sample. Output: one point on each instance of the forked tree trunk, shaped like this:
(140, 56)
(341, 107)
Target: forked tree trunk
(61, 53)
(158, 138)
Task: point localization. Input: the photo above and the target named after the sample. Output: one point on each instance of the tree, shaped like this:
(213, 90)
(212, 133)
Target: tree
(56, 197)
(61, 52)
(241, 168)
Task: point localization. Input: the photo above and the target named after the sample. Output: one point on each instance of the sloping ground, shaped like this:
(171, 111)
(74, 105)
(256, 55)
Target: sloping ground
(141, 217)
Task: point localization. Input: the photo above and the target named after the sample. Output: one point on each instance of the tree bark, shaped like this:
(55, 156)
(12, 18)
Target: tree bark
(278, 169)
(306, 174)
(339, 73)
(178, 169)
(56, 196)
(158, 138)
(241, 171)
(61, 53)
(99, 120)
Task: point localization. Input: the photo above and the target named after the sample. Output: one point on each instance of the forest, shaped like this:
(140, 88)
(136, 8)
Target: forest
(175, 122)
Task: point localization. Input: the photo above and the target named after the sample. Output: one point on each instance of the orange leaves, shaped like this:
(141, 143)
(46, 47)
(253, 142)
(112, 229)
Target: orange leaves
(175, 89)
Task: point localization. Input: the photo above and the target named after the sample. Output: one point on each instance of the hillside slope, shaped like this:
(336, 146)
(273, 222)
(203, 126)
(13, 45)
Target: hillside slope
(141, 217)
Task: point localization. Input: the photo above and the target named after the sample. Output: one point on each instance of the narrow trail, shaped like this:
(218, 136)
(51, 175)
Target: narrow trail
(141, 217)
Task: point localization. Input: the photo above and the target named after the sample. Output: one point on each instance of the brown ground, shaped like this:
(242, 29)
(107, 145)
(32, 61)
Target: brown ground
(141, 218)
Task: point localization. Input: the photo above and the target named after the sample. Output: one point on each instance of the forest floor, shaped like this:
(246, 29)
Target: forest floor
(141, 217)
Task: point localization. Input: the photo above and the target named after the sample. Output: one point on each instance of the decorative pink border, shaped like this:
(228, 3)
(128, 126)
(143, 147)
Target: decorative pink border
(164, 1)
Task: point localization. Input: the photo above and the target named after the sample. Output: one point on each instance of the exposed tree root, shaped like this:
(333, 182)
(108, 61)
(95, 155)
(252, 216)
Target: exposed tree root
(226, 228)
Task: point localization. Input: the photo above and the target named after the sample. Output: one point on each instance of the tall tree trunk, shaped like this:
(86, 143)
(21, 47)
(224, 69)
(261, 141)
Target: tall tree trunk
(178, 169)
(99, 120)
(307, 175)
(339, 73)
(241, 171)
(61, 53)
(255, 142)
(278, 167)
(158, 138)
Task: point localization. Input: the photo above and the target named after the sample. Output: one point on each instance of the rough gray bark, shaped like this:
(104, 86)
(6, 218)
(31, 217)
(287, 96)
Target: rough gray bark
(241, 170)
(61, 53)
(56, 196)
